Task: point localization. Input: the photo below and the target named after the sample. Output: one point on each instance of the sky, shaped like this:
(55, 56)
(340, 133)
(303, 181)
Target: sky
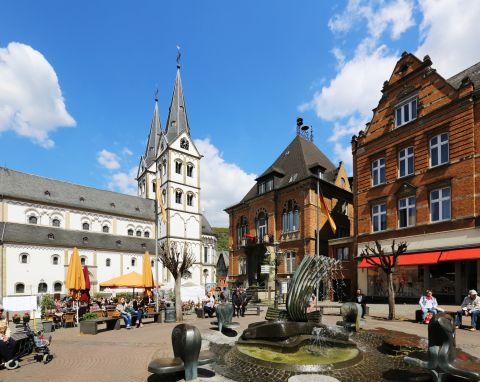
(77, 80)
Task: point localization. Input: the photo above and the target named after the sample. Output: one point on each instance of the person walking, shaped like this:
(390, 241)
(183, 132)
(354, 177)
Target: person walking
(236, 302)
(470, 307)
(428, 304)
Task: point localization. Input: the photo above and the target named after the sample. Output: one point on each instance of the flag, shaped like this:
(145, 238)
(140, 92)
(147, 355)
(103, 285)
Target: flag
(330, 220)
(160, 201)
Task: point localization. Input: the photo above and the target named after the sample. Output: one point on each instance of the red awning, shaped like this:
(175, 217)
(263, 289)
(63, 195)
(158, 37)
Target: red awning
(461, 254)
(409, 259)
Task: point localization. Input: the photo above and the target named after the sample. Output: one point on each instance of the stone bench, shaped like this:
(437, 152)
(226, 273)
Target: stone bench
(91, 326)
(155, 315)
(255, 309)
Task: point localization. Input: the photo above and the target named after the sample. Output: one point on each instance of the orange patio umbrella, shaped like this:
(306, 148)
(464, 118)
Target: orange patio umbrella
(75, 279)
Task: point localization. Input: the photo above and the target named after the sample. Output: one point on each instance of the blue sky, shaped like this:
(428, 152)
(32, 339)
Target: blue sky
(249, 69)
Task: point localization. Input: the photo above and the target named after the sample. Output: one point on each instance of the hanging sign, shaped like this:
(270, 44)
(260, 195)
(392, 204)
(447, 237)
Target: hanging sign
(265, 269)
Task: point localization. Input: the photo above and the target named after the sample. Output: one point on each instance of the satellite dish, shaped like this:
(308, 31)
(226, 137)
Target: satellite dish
(305, 127)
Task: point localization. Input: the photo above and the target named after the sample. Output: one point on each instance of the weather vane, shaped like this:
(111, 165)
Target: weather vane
(156, 94)
(178, 56)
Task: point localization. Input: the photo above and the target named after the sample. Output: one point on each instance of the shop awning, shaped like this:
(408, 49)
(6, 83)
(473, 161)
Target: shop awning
(461, 254)
(409, 259)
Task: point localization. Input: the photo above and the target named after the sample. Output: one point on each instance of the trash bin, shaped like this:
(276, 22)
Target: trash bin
(47, 326)
(170, 314)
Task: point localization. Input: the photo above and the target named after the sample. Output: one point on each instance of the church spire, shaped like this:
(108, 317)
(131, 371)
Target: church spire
(153, 135)
(177, 121)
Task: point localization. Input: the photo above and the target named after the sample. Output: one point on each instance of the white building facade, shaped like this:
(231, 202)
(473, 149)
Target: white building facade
(42, 219)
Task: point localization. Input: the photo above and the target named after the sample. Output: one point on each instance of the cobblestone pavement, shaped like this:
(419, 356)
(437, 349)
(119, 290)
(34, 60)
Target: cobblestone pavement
(124, 355)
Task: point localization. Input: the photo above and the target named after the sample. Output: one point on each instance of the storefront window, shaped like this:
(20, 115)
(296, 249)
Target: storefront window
(407, 282)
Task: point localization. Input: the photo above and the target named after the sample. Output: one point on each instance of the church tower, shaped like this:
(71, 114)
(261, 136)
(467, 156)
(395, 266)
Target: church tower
(172, 156)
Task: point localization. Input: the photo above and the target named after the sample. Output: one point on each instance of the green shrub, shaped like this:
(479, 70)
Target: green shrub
(89, 316)
(47, 303)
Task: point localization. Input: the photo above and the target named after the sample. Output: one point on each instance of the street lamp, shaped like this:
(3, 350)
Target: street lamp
(205, 275)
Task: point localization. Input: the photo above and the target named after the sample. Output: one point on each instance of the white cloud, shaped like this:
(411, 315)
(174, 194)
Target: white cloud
(222, 184)
(379, 16)
(124, 182)
(31, 101)
(127, 151)
(343, 153)
(356, 88)
(448, 31)
(108, 160)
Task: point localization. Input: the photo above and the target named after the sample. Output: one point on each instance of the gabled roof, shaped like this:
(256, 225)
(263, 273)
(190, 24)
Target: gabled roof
(177, 121)
(39, 235)
(153, 137)
(206, 227)
(19, 185)
(473, 73)
(294, 165)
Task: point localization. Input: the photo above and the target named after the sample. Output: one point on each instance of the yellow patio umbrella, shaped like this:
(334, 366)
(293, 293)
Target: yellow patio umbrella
(148, 282)
(130, 280)
(75, 279)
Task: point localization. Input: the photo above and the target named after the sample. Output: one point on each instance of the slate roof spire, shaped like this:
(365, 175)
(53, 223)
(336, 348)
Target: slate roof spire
(153, 136)
(177, 121)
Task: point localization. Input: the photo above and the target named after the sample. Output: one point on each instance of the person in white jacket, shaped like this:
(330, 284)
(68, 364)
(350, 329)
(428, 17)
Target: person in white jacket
(470, 307)
(428, 304)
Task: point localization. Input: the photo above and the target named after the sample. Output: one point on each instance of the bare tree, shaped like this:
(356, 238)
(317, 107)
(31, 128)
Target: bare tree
(376, 256)
(178, 260)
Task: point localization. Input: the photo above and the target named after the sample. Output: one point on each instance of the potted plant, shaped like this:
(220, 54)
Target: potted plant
(199, 310)
(47, 303)
(16, 318)
(26, 318)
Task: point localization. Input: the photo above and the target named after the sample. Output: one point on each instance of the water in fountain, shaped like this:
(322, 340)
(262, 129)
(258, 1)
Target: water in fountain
(319, 344)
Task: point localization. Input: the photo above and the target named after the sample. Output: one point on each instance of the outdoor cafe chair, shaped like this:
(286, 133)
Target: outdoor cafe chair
(69, 318)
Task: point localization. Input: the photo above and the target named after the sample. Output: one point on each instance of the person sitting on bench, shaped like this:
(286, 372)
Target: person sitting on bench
(127, 317)
(209, 307)
(470, 307)
(7, 344)
(138, 307)
(428, 304)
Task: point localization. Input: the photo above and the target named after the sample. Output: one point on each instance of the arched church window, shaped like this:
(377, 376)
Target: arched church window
(33, 219)
(190, 170)
(178, 167)
(130, 232)
(178, 196)
(189, 199)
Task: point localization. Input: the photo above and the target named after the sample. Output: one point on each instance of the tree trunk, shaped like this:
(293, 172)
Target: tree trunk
(178, 299)
(391, 296)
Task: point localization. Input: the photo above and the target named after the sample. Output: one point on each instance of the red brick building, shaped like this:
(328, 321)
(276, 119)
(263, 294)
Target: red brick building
(417, 179)
(279, 215)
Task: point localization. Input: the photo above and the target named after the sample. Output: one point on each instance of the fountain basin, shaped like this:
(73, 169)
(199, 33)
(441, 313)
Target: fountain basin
(300, 356)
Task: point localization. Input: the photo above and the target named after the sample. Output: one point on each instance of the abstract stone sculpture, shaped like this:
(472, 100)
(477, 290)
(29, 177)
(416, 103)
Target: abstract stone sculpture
(224, 317)
(442, 362)
(295, 320)
(186, 343)
(351, 313)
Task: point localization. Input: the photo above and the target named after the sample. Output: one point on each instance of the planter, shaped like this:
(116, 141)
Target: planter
(47, 326)
(199, 312)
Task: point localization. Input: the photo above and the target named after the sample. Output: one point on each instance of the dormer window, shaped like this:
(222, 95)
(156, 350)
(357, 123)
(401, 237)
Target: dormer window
(406, 111)
(265, 186)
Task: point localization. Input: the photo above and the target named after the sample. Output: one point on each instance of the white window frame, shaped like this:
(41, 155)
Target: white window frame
(403, 156)
(377, 166)
(410, 203)
(378, 215)
(408, 111)
(290, 262)
(438, 146)
(440, 200)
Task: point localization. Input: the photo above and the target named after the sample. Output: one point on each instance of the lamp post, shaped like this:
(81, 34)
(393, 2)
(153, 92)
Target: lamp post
(205, 275)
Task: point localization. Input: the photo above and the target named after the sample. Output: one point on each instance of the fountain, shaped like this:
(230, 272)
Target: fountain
(292, 342)
(295, 340)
